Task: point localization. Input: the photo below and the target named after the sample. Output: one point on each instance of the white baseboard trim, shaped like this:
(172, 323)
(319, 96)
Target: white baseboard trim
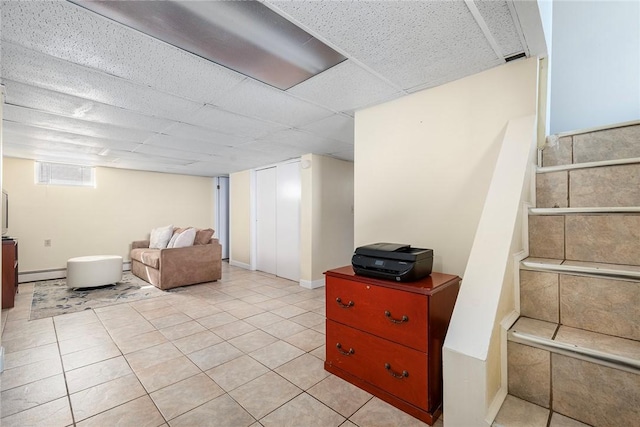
(1, 359)
(496, 404)
(312, 284)
(35, 276)
(60, 273)
(239, 264)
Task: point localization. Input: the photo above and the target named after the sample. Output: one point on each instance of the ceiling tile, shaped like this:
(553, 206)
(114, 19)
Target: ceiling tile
(500, 22)
(195, 146)
(233, 124)
(255, 99)
(61, 29)
(48, 155)
(187, 131)
(45, 100)
(13, 132)
(346, 87)
(338, 127)
(181, 153)
(71, 125)
(127, 156)
(27, 66)
(305, 142)
(408, 42)
(43, 144)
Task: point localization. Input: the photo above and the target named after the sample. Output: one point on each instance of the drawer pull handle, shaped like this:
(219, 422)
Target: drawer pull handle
(346, 353)
(404, 374)
(405, 318)
(347, 305)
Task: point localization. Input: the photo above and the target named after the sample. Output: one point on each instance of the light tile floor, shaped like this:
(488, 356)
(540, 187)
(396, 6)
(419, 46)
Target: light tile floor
(247, 350)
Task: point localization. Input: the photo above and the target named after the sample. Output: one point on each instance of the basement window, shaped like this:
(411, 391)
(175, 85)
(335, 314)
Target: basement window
(65, 174)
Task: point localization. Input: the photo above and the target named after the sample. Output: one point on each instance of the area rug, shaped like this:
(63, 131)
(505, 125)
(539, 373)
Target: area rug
(52, 297)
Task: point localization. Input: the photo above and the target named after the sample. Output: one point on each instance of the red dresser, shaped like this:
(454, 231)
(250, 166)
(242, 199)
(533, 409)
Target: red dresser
(386, 337)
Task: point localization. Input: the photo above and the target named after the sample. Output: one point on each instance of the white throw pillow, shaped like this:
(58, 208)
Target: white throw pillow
(173, 240)
(160, 237)
(185, 238)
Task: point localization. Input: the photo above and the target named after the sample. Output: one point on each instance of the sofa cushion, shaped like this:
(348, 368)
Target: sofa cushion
(149, 257)
(160, 237)
(203, 236)
(185, 239)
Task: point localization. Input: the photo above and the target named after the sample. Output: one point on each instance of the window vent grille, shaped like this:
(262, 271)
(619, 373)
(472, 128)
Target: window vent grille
(63, 174)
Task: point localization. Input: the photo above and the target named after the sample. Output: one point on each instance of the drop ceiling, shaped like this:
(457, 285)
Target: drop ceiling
(81, 88)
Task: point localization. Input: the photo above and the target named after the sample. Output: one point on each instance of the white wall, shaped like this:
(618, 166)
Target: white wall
(326, 217)
(424, 162)
(124, 206)
(595, 75)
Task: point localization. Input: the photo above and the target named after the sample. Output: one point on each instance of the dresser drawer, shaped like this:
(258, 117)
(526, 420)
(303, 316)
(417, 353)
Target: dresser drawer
(398, 316)
(399, 370)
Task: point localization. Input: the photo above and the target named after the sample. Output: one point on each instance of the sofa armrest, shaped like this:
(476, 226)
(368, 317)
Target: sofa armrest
(140, 244)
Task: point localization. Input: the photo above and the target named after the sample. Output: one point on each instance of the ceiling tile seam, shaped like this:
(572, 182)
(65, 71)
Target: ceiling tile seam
(99, 103)
(340, 50)
(485, 28)
(516, 21)
(68, 131)
(119, 127)
(258, 119)
(104, 73)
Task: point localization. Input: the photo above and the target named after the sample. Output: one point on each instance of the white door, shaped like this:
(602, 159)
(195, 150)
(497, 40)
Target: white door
(222, 214)
(266, 220)
(288, 221)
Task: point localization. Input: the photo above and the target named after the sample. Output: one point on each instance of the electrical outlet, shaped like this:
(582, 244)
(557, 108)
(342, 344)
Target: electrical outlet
(47, 243)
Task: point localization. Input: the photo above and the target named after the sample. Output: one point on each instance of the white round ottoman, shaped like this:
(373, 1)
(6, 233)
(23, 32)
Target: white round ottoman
(92, 271)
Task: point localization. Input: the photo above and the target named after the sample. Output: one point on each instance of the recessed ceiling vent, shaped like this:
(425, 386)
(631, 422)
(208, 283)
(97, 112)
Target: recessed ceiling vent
(516, 56)
(245, 36)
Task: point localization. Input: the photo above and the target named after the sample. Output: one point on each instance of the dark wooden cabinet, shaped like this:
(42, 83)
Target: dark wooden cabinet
(386, 337)
(9, 272)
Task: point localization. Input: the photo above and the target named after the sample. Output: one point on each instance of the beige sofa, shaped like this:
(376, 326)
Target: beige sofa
(170, 268)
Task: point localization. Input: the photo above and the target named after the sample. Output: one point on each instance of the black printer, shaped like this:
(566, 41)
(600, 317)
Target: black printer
(392, 261)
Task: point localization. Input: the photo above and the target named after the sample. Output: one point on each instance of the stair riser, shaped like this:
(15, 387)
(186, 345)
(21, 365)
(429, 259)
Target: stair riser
(594, 394)
(609, 186)
(613, 239)
(609, 144)
(594, 304)
(591, 393)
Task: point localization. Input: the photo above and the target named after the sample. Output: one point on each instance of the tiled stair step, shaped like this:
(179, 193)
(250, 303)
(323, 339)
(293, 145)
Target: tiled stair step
(586, 211)
(592, 297)
(604, 238)
(593, 145)
(587, 165)
(612, 183)
(580, 268)
(590, 377)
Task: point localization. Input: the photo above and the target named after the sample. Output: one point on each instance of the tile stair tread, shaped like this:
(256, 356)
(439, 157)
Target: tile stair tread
(615, 271)
(602, 343)
(587, 165)
(586, 210)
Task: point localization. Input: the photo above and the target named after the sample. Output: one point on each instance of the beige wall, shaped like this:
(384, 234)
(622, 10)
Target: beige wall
(326, 215)
(240, 218)
(124, 206)
(424, 162)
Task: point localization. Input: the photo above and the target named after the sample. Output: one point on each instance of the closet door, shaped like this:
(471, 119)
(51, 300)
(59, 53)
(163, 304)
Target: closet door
(288, 221)
(266, 220)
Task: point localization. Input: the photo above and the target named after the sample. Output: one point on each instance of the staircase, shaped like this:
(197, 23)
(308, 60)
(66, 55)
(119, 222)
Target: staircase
(574, 354)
